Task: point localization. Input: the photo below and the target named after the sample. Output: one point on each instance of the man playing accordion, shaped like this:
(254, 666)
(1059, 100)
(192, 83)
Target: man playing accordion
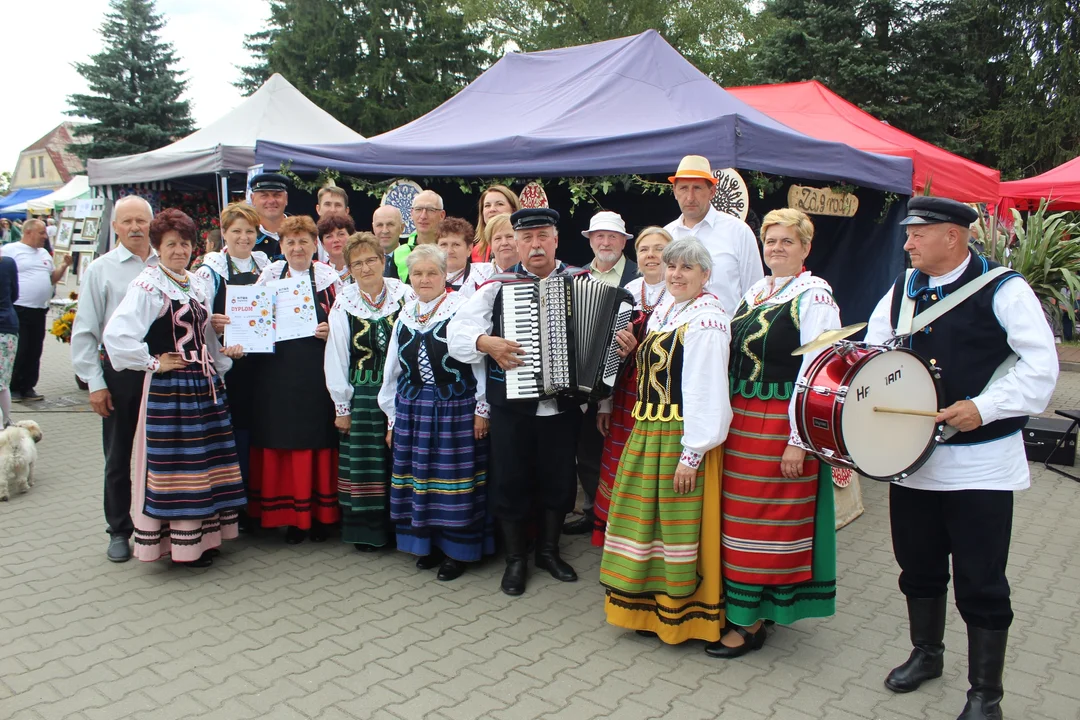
(532, 441)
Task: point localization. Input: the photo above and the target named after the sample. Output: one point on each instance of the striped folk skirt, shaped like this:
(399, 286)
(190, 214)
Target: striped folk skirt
(438, 489)
(622, 422)
(186, 487)
(661, 562)
(779, 541)
(364, 472)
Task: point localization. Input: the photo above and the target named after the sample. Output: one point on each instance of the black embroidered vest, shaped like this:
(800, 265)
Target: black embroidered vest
(761, 343)
(967, 343)
(368, 340)
(659, 380)
(180, 329)
(452, 378)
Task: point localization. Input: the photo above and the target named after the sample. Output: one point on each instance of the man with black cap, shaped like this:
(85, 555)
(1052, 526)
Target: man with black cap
(998, 363)
(270, 196)
(532, 443)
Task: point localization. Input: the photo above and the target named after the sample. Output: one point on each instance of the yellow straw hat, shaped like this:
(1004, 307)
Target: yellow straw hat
(694, 166)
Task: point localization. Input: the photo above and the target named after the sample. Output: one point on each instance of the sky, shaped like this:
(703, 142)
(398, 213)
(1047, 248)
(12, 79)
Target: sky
(207, 35)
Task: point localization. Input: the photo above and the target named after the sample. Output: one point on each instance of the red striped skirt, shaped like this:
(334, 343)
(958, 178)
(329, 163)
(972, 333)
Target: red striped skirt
(622, 424)
(294, 487)
(768, 520)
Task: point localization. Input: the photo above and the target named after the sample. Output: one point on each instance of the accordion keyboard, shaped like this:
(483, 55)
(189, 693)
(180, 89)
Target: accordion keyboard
(521, 324)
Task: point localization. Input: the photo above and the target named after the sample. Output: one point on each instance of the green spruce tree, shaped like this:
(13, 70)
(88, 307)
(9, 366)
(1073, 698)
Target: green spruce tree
(135, 105)
(373, 64)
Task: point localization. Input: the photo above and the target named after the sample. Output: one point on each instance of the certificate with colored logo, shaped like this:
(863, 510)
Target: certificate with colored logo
(294, 308)
(251, 318)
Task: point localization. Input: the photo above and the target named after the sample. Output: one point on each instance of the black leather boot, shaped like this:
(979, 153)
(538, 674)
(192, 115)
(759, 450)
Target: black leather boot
(547, 550)
(926, 618)
(986, 662)
(517, 558)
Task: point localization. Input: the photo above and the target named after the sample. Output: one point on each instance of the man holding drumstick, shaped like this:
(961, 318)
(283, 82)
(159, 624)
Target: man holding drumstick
(961, 501)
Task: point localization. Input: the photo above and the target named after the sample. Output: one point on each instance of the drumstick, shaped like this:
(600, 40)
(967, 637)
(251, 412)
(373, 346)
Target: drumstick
(905, 411)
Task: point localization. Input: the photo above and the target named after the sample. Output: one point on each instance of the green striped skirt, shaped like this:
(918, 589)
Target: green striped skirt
(364, 472)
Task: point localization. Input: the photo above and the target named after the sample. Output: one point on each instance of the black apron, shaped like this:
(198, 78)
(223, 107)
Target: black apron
(240, 382)
(293, 410)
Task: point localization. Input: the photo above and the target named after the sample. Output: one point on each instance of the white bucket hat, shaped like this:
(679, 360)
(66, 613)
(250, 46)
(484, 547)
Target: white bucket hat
(607, 220)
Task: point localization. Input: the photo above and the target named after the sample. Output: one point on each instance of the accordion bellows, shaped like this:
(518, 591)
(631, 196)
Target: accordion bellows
(567, 326)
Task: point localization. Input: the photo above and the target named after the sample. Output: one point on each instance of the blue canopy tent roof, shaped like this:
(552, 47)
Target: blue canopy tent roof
(632, 105)
(18, 197)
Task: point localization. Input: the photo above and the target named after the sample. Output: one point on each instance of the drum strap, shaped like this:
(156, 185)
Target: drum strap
(908, 323)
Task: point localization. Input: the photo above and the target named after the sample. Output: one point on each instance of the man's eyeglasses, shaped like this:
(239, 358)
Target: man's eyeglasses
(422, 209)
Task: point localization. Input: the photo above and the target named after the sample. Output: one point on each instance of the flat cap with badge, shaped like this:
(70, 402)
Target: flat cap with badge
(528, 218)
(273, 182)
(926, 210)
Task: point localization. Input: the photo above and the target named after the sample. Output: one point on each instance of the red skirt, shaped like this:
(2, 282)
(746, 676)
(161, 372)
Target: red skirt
(622, 424)
(293, 487)
(768, 534)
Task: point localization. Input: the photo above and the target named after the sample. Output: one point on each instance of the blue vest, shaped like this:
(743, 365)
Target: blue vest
(967, 343)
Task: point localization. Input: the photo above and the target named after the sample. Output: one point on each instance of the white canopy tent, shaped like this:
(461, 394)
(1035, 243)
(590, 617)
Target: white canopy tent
(277, 111)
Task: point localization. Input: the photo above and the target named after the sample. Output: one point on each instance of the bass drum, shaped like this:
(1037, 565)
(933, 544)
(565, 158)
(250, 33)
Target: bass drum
(834, 410)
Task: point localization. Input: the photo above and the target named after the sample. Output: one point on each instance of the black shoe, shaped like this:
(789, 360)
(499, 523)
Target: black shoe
(547, 550)
(582, 526)
(517, 559)
(926, 617)
(646, 633)
(294, 535)
(318, 532)
(426, 562)
(205, 560)
(751, 641)
(119, 549)
(32, 396)
(986, 663)
(366, 548)
(17, 396)
(450, 569)
(245, 524)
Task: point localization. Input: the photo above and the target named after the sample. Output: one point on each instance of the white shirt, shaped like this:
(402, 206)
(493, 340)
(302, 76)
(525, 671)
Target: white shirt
(818, 312)
(998, 464)
(35, 274)
(336, 360)
(101, 290)
(734, 250)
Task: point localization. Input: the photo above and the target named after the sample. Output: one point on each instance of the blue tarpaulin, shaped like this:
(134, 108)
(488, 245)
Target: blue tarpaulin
(632, 105)
(18, 197)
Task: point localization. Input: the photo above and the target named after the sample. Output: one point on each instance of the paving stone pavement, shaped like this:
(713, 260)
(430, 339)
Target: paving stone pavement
(321, 631)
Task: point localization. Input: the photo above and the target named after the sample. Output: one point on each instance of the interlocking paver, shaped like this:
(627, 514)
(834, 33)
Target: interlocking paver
(320, 631)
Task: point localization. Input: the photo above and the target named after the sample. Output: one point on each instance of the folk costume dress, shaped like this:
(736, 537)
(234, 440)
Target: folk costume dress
(438, 490)
(661, 561)
(360, 330)
(221, 270)
(779, 549)
(621, 404)
(294, 444)
(186, 485)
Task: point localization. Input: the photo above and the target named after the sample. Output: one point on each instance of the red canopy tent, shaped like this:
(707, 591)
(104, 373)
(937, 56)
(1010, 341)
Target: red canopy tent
(813, 109)
(1061, 186)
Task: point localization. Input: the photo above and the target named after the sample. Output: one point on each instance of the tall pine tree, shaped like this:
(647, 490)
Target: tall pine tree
(135, 105)
(373, 64)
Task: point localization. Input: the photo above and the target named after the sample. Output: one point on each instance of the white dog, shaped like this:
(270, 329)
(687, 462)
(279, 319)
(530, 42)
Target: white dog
(18, 453)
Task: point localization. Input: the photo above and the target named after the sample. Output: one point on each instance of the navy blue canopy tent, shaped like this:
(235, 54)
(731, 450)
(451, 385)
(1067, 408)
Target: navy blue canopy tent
(17, 198)
(632, 105)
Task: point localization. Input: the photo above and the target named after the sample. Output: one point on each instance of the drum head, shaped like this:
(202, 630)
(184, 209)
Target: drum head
(883, 445)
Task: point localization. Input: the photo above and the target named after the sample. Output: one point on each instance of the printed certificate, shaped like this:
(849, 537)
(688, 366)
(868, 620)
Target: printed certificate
(251, 318)
(294, 308)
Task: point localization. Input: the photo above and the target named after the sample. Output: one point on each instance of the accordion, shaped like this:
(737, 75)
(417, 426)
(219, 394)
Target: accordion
(566, 326)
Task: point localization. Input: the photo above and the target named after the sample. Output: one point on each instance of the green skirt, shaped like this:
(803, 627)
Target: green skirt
(364, 472)
(746, 604)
